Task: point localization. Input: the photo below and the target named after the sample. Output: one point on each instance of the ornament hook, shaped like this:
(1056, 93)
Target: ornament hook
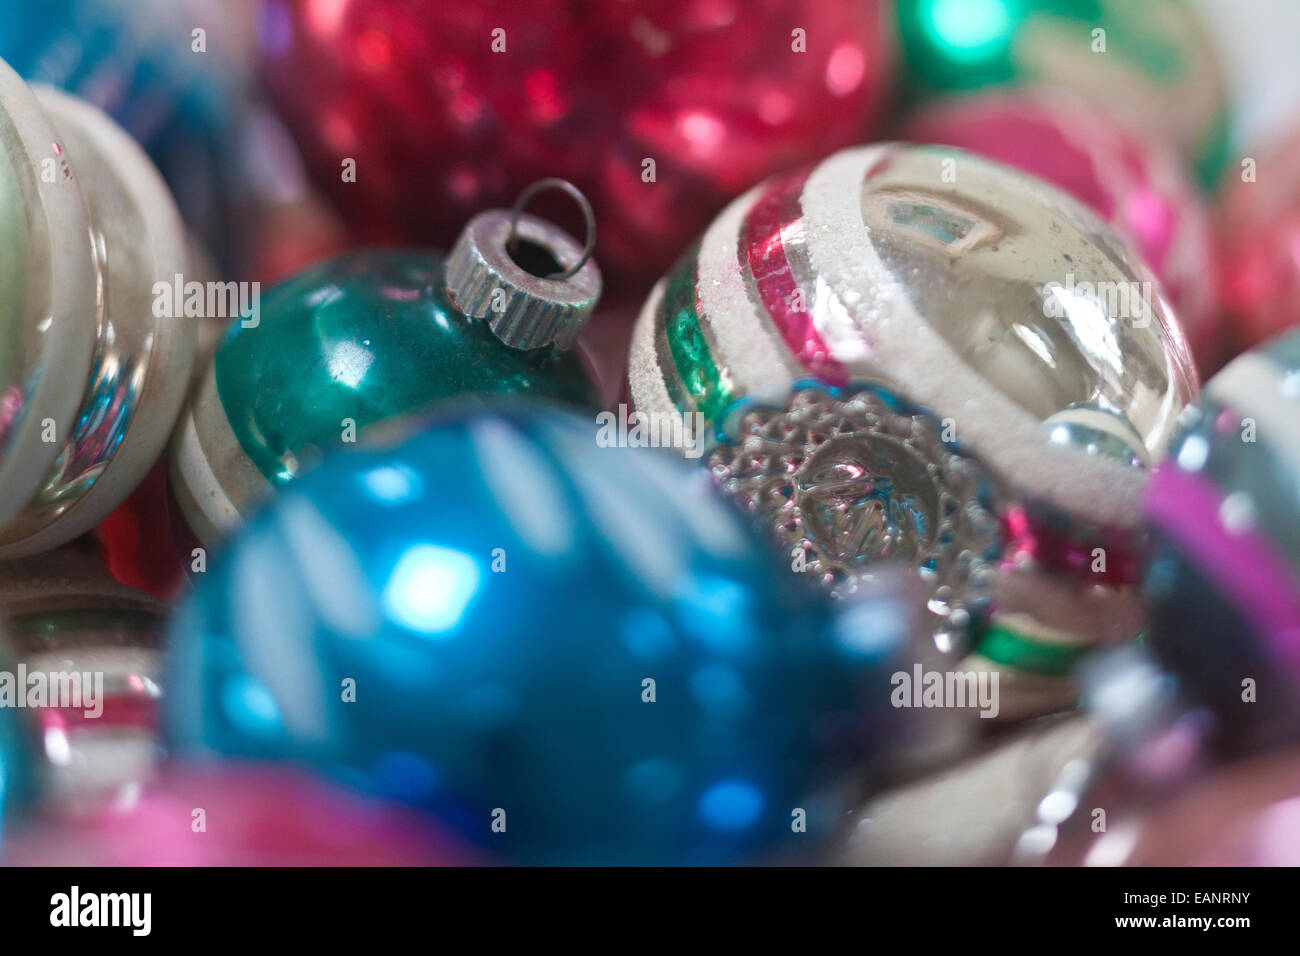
(589, 218)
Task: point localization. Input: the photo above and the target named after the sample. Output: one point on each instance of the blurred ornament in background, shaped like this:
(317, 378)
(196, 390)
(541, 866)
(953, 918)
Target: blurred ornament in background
(972, 812)
(992, 299)
(138, 540)
(1259, 244)
(139, 62)
(566, 653)
(375, 334)
(92, 371)
(660, 112)
(1218, 675)
(98, 646)
(294, 228)
(15, 761)
(1133, 181)
(1151, 62)
(1039, 630)
(235, 815)
(1160, 785)
(1223, 587)
(1244, 814)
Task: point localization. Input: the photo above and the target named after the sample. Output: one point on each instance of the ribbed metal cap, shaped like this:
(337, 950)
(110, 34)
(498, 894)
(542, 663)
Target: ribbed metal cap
(524, 310)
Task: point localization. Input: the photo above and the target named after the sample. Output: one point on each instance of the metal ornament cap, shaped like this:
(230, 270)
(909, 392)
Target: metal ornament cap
(525, 311)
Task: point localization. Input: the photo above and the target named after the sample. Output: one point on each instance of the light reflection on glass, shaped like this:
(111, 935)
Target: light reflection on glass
(431, 587)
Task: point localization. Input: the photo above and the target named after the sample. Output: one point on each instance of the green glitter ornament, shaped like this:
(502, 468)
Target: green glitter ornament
(1150, 59)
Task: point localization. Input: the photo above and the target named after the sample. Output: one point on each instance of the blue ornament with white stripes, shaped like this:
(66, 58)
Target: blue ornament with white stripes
(567, 653)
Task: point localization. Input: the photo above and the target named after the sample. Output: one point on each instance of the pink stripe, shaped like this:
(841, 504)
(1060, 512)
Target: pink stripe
(1245, 565)
(774, 220)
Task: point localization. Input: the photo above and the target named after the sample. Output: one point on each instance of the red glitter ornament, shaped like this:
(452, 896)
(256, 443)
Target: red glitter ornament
(659, 112)
(1259, 245)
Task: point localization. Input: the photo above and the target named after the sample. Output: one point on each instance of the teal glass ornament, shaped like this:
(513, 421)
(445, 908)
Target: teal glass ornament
(375, 334)
(566, 653)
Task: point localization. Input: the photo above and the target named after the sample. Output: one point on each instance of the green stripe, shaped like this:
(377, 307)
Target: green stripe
(1004, 646)
(42, 625)
(707, 386)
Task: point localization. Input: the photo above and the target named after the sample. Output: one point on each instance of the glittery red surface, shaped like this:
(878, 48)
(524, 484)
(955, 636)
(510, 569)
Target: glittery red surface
(442, 127)
(1259, 246)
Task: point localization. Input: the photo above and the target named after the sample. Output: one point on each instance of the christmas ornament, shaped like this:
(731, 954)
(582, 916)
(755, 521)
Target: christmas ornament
(993, 300)
(1038, 629)
(972, 812)
(1221, 668)
(1134, 182)
(15, 772)
(565, 652)
(86, 655)
(1151, 62)
(91, 374)
(846, 479)
(1158, 766)
(163, 70)
(373, 334)
(236, 815)
(1240, 815)
(1259, 233)
(412, 117)
(1223, 587)
(294, 228)
(138, 540)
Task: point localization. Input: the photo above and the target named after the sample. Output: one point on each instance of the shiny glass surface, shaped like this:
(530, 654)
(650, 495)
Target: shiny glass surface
(588, 639)
(363, 338)
(1038, 298)
(15, 771)
(13, 280)
(716, 92)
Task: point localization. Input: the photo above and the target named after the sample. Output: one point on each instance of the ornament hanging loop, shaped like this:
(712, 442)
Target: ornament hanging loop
(525, 305)
(588, 217)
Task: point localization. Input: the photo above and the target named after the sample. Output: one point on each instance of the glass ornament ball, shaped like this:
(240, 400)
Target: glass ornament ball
(1132, 180)
(68, 625)
(1259, 244)
(1223, 583)
(564, 652)
(1152, 62)
(16, 785)
(1245, 813)
(992, 299)
(253, 815)
(92, 372)
(1175, 805)
(659, 112)
(367, 336)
